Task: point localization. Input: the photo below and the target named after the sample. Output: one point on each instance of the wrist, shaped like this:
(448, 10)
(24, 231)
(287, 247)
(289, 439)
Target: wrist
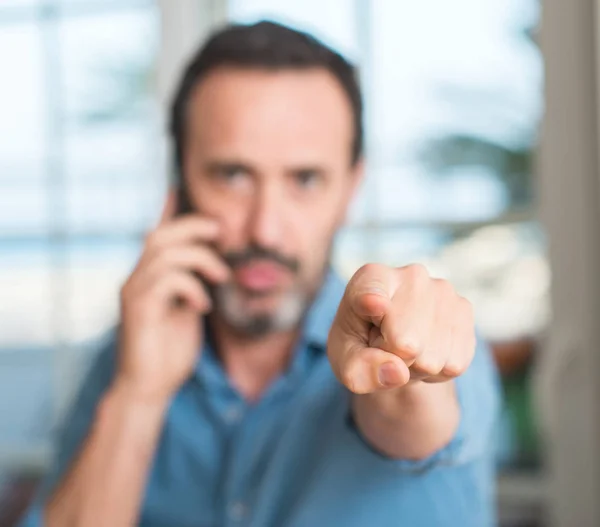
(414, 399)
(420, 393)
(130, 396)
(412, 422)
(127, 419)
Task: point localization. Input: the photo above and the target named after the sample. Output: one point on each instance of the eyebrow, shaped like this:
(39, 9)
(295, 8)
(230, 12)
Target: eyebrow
(215, 167)
(219, 166)
(320, 170)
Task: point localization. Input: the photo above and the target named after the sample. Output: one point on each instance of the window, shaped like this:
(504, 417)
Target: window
(453, 94)
(453, 98)
(80, 180)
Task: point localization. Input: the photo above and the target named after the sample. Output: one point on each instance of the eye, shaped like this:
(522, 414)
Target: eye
(307, 178)
(231, 173)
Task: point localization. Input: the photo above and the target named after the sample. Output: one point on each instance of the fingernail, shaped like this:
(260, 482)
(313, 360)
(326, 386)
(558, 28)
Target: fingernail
(389, 375)
(379, 291)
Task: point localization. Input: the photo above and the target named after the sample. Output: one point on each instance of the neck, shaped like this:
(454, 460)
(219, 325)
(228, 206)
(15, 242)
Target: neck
(252, 364)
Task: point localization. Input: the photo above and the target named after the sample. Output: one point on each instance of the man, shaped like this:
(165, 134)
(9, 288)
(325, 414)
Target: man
(246, 385)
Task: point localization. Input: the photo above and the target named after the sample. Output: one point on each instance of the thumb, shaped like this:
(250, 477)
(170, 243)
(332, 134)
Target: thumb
(370, 369)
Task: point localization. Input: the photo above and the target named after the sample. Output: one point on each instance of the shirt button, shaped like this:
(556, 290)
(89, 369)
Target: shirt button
(238, 511)
(233, 414)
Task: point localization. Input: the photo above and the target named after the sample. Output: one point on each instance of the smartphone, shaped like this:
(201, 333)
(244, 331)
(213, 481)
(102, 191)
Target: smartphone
(184, 205)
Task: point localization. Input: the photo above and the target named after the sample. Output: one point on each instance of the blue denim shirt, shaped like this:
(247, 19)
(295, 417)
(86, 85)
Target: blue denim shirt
(295, 458)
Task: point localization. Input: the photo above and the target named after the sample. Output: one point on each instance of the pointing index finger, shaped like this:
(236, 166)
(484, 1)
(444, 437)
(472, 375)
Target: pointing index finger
(371, 291)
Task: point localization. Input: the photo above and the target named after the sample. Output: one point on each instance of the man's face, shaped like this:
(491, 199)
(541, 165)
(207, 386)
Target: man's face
(268, 155)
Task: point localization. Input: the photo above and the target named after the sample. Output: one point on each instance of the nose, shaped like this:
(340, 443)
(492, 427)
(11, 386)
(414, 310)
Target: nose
(267, 224)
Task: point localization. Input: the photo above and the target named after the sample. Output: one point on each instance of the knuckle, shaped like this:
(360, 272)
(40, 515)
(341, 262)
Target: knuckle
(444, 288)
(454, 369)
(408, 346)
(428, 365)
(152, 240)
(160, 258)
(417, 272)
(367, 270)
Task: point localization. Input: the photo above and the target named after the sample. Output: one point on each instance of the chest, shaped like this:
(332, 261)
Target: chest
(293, 460)
(221, 461)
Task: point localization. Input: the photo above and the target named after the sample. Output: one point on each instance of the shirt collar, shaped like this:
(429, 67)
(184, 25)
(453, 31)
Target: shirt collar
(322, 312)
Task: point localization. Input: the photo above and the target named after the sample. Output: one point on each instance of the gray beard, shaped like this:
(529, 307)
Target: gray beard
(229, 306)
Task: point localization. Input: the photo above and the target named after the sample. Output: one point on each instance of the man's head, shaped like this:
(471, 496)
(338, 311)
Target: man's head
(267, 130)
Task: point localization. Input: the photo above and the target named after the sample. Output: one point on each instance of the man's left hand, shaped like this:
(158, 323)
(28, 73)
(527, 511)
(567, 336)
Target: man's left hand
(398, 325)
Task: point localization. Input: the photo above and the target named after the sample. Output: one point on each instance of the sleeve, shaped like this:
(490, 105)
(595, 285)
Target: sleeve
(75, 427)
(478, 392)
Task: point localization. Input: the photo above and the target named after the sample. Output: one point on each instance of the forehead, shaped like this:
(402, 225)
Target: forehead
(249, 112)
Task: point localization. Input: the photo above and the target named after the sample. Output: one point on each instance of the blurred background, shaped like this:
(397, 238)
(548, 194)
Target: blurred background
(454, 96)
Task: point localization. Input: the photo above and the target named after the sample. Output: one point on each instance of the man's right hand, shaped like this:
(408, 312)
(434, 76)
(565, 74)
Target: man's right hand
(162, 302)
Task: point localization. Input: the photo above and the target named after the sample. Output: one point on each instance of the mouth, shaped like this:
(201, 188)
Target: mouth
(261, 276)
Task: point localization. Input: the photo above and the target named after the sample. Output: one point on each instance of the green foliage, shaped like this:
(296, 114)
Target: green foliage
(512, 164)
